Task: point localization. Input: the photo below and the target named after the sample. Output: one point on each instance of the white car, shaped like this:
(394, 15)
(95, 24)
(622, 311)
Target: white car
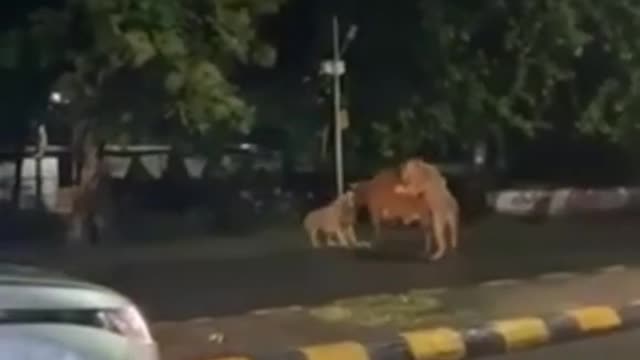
(50, 316)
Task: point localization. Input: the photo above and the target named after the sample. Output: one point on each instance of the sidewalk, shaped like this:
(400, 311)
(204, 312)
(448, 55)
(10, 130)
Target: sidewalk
(374, 318)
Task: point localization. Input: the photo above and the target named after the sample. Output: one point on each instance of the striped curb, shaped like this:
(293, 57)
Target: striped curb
(495, 338)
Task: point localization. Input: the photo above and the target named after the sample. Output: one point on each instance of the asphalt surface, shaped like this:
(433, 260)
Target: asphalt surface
(175, 287)
(187, 289)
(618, 346)
(178, 289)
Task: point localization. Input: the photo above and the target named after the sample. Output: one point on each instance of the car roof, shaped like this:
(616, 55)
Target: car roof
(31, 287)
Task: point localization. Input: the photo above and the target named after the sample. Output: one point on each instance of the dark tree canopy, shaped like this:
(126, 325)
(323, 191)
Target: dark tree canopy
(421, 73)
(135, 67)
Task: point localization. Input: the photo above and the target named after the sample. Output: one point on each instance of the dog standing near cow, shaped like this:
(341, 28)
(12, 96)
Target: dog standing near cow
(334, 220)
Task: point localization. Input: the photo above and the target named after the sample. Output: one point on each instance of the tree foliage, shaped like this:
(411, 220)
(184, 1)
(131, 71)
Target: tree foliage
(527, 65)
(133, 64)
(26, 77)
(484, 66)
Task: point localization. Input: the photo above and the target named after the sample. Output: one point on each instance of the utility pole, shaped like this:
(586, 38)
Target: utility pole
(335, 68)
(337, 97)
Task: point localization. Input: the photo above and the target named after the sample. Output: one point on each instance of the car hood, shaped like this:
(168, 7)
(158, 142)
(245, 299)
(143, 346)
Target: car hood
(31, 287)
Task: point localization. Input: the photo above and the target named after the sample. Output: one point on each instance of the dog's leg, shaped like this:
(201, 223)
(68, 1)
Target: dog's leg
(342, 238)
(315, 240)
(354, 238)
(331, 241)
(352, 235)
(439, 232)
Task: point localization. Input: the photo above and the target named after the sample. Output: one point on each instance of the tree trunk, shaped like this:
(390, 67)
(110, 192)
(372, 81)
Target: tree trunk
(84, 196)
(40, 153)
(78, 138)
(39, 197)
(16, 191)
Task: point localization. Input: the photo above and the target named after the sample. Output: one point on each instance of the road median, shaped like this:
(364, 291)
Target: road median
(497, 337)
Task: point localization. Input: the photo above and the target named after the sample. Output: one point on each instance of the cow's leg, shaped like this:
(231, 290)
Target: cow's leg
(376, 223)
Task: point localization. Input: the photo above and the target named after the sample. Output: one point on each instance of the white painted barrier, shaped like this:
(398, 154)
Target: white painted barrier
(28, 192)
(564, 201)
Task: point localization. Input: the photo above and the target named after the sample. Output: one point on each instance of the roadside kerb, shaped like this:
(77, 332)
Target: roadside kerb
(497, 337)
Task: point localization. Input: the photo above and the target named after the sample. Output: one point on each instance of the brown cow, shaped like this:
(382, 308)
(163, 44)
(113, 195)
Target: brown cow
(385, 204)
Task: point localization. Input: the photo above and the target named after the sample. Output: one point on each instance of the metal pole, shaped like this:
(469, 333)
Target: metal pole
(336, 107)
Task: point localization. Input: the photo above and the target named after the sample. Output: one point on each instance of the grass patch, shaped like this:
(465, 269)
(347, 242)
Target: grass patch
(400, 311)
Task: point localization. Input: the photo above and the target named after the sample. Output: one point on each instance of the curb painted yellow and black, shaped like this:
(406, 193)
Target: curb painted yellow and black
(497, 337)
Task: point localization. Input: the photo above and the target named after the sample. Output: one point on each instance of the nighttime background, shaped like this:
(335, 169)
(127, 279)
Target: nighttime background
(551, 90)
(188, 139)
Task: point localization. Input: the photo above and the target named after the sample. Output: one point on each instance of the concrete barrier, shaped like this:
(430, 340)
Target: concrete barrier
(565, 201)
(495, 338)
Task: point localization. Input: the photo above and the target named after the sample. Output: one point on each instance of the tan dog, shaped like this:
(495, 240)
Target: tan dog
(336, 219)
(423, 179)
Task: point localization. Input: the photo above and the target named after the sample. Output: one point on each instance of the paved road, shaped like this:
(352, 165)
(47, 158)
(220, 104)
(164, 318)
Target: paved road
(619, 346)
(178, 290)
(181, 290)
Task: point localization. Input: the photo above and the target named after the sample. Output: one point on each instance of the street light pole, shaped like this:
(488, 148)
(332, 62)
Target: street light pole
(335, 68)
(337, 95)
